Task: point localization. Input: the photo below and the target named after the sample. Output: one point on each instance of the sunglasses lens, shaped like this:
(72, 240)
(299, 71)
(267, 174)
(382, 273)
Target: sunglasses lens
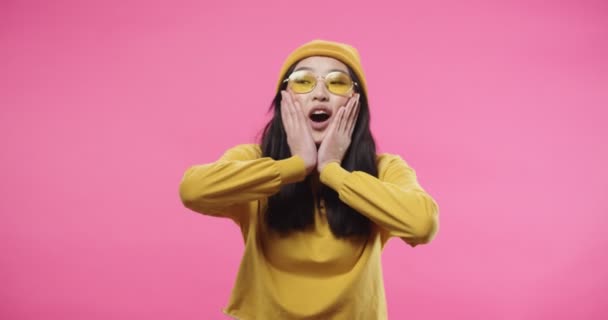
(339, 83)
(302, 81)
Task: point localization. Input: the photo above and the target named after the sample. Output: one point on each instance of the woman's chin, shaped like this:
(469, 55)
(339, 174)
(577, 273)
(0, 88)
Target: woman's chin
(318, 137)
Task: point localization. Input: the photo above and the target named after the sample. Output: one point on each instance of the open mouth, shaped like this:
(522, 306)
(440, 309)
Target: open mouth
(319, 116)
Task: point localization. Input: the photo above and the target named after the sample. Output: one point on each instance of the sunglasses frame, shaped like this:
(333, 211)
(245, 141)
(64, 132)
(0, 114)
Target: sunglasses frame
(354, 83)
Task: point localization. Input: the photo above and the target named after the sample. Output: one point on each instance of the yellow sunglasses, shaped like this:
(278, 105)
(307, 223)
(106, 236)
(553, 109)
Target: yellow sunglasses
(336, 82)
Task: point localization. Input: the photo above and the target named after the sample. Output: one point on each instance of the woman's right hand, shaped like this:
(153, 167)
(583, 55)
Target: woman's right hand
(299, 135)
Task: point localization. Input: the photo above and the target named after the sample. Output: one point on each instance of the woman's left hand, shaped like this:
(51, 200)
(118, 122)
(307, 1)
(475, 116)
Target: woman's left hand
(338, 137)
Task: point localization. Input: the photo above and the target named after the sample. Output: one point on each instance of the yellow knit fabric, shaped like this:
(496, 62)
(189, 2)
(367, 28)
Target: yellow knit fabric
(341, 51)
(310, 274)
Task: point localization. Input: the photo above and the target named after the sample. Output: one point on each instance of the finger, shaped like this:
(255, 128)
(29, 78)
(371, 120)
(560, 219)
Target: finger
(352, 112)
(284, 107)
(333, 126)
(341, 125)
(352, 115)
(296, 108)
(347, 112)
(288, 102)
(353, 122)
(286, 112)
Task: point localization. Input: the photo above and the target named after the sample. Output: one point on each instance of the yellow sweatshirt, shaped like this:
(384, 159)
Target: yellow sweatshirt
(310, 274)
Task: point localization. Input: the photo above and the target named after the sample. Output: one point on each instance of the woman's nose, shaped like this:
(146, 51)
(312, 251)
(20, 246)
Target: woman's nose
(320, 91)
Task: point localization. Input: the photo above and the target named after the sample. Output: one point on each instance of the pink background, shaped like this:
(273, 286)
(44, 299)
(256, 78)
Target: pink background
(500, 107)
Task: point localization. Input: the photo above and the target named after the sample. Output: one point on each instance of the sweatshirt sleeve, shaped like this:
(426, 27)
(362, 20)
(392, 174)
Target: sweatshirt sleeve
(241, 175)
(394, 201)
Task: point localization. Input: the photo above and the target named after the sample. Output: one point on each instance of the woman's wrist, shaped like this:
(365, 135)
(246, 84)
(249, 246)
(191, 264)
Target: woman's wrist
(292, 169)
(333, 175)
(321, 166)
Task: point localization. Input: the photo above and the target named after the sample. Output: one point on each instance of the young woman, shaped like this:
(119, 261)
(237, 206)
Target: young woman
(314, 202)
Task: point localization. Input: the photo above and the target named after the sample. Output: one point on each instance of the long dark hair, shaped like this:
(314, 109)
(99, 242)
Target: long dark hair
(292, 208)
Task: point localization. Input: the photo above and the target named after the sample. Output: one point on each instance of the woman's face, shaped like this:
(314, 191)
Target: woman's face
(320, 105)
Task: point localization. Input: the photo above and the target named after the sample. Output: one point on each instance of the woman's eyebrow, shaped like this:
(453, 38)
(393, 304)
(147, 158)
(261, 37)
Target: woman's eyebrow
(311, 69)
(304, 68)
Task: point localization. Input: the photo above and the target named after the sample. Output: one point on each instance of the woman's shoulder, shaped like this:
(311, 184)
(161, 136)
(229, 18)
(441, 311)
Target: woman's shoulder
(246, 151)
(387, 160)
(388, 157)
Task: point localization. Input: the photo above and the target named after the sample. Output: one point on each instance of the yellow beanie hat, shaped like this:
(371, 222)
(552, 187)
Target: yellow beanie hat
(341, 51)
